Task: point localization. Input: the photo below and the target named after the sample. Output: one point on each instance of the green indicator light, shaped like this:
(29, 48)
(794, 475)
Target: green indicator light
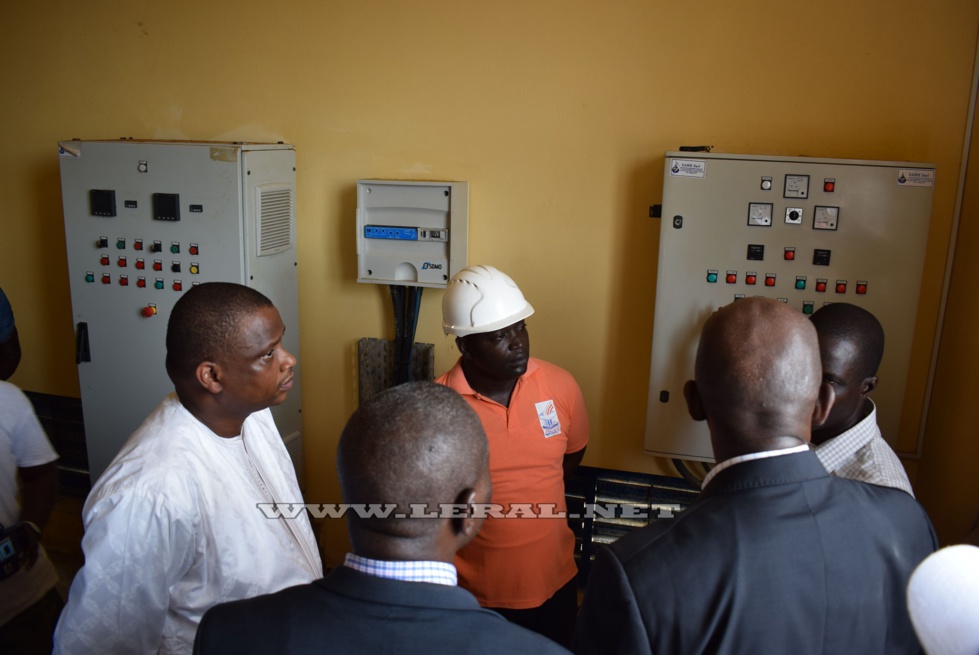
(712, 277)
(158, 284)
(800, 284)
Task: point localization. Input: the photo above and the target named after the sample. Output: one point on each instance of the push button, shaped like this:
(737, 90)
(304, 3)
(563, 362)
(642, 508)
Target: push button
(140, 264)
(789, 254)
(841, 286)
(769, 279)
(800, 282)
(807, 307)
(157, 265)
(751, 278)
(861, 288)
(820, 285)
(731, 278)
(712, 276)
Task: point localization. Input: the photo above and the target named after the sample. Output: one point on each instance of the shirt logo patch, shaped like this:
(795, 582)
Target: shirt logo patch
(547, 415)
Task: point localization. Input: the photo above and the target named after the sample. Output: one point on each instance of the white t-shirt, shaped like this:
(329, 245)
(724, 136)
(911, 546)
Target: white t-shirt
(23, 444)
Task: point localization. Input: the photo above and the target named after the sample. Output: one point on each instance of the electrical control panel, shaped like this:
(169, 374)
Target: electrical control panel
(144, 222)
(804, 231)
(411, 233)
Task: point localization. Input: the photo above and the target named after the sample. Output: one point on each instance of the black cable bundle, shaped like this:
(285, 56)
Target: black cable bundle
(407, 303)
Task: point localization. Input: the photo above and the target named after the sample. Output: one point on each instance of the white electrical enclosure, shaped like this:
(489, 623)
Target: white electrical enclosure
(411, 233)
(146, 220)
(804, 231)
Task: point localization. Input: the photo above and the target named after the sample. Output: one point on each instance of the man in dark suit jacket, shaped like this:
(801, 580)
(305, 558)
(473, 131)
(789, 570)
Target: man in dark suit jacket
(420, 451)
(775, 556)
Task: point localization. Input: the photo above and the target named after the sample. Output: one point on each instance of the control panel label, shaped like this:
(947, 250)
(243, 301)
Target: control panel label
(916, 177)
(688, 168)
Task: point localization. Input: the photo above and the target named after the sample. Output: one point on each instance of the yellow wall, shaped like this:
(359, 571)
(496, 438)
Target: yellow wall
(556, 111)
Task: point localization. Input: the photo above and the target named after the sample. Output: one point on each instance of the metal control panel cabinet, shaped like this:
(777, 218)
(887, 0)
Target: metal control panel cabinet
(804, 231)
(411, 233)
(145, 221)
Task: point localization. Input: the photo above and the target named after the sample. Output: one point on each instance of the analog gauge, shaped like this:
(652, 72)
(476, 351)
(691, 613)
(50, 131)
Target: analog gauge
(760, 213)
(825, 218)
(796, 186)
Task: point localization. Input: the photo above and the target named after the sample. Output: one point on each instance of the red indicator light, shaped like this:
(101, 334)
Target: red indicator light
(106, 279)
(138, 244)
(732, 278)
(821, 286)
(769, 280)
(140, 264)
(829, 187)
(141, 283)
(841, 287)
(122, 262)
(157, 265)
(790, 254)
(861, 289)
(178, 286)
(750, 279)
(104, 260)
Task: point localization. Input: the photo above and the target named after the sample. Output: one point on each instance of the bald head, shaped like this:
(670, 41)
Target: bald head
(417, 443)
(758, 374)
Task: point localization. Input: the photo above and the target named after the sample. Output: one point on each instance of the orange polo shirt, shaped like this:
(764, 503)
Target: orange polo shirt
(518, 563)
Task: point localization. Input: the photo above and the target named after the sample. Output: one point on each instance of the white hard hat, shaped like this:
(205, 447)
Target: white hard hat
(482, 299)
(942, 600)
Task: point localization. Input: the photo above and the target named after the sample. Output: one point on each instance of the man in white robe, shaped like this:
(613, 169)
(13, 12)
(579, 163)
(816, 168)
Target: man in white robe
(174, 526)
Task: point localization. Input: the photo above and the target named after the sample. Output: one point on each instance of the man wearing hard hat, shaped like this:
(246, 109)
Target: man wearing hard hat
(521, 563)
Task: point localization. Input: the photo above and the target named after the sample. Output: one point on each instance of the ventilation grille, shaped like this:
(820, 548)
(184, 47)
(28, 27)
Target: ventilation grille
(276, 222)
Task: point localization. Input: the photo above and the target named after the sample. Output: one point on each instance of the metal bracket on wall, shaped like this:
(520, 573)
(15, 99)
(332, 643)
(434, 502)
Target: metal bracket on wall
(375, 365)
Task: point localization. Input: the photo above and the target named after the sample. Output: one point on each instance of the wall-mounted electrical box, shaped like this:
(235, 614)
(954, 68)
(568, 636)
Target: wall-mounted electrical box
(807, 232)
(144, 222)
(411, 233)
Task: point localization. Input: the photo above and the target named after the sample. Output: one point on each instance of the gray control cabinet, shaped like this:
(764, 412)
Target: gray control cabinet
(804, 231)
(146, 220)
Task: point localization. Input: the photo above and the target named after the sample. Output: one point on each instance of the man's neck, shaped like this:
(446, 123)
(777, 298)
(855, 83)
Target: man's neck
(498, 390)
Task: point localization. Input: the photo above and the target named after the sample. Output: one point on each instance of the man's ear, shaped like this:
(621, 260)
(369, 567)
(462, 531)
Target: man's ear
(209, 375)
(461, 345)
(694, 406)
(824, 403)
(868, 386)
(464, 525)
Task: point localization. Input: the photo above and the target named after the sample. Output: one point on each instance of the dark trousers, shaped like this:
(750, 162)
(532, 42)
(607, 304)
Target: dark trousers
(31, 631)
(554, 619)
